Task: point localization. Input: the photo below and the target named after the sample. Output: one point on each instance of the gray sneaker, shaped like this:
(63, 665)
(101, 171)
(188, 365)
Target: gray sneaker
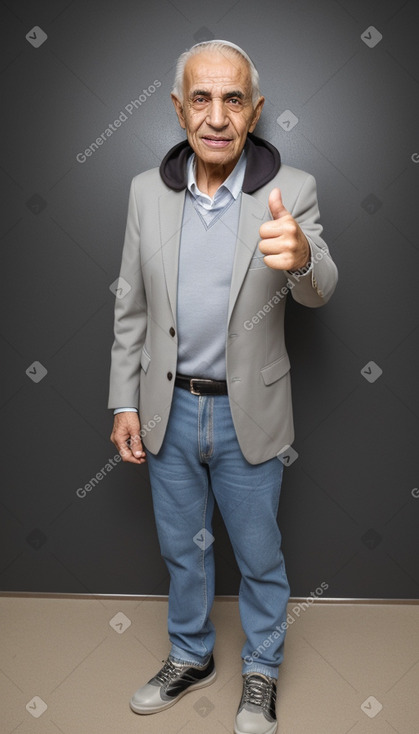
(170, 684)
(256, 713)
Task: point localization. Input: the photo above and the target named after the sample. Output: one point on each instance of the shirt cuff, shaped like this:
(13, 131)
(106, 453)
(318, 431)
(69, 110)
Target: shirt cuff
(125, 410)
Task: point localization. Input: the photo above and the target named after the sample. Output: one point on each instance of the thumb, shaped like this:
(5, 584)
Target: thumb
(276, 206)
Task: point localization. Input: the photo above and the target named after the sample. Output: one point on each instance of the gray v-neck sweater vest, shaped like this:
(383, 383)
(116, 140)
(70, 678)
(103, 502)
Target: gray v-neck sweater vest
(205, 267)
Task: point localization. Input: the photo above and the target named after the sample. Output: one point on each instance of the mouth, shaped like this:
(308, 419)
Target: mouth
(215, 141)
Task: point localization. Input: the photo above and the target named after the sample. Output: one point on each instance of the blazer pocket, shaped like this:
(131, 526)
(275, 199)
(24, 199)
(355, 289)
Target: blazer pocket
(145, 359)
(274, 371)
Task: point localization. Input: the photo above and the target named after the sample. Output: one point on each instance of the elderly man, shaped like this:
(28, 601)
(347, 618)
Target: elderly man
(215, 240)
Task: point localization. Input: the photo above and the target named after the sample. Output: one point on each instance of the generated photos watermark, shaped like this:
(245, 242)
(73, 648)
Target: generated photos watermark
(280, 629)
(279, 295)
(114, 461)
(123, 116)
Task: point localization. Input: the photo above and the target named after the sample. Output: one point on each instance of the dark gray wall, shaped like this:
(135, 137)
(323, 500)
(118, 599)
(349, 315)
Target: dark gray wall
(349, 506)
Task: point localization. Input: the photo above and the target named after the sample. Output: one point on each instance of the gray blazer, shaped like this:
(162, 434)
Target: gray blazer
(144, 352)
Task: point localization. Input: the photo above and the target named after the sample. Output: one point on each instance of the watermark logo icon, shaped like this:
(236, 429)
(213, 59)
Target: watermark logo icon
(371, 538)
(36, 707)
(36, 538)
(120, 622)
(36, 204)
(371, 371)
(371, 707)
(203, 706)
(36, 371)
(120, 287)
(203, 34)
(371, 204)
(203, 539)
(287, 120)
(371, 36)
(36, 36)
(287, 455)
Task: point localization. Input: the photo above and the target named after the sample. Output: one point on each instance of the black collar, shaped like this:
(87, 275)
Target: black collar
(263, 163)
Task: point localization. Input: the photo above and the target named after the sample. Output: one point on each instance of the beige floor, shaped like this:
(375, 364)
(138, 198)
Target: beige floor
(82, 659)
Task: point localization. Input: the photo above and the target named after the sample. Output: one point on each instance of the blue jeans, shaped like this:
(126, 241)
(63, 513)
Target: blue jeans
(199, 463)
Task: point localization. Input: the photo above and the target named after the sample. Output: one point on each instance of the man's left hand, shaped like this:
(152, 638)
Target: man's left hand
(284, 244)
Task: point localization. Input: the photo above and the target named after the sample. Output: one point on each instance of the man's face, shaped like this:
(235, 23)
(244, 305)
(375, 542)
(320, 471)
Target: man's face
(217, 110)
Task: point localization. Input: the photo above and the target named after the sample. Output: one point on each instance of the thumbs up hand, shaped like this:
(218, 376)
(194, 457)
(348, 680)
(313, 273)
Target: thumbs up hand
(283, 243)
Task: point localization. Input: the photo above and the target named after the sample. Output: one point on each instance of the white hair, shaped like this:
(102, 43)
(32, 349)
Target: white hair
(219, 46)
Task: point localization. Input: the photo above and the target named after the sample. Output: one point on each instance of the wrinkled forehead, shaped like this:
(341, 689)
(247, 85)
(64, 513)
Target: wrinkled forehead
(215, 71)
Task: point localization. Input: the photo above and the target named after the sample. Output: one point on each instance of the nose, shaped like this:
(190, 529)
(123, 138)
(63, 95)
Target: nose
(216, 114)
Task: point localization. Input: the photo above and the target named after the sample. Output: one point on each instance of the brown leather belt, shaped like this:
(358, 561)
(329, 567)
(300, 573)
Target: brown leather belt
(201, 386)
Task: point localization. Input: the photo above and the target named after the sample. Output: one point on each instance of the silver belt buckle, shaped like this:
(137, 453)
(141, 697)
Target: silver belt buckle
(196, 379)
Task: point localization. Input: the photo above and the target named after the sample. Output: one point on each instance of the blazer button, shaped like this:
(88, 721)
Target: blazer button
(172, 332)
(169, 376)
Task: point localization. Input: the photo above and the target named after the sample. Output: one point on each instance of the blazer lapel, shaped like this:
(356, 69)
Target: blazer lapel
(170, 221)
(252, 214)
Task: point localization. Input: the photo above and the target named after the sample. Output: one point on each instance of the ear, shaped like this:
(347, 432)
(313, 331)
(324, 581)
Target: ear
(256, 113)
(179, 110)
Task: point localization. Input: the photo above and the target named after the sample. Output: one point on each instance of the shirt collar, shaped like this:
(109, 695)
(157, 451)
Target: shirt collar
(233, 182)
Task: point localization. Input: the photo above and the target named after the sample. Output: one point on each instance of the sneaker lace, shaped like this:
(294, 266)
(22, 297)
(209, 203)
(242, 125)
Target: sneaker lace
(168, 671)
(258, 691)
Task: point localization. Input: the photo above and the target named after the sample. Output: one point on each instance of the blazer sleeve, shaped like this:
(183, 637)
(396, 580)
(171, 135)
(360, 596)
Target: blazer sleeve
(315, 287)
(130, 318)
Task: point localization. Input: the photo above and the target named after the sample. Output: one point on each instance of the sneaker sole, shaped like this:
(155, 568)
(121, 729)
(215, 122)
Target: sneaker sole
(194, 687)
(268, 731)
